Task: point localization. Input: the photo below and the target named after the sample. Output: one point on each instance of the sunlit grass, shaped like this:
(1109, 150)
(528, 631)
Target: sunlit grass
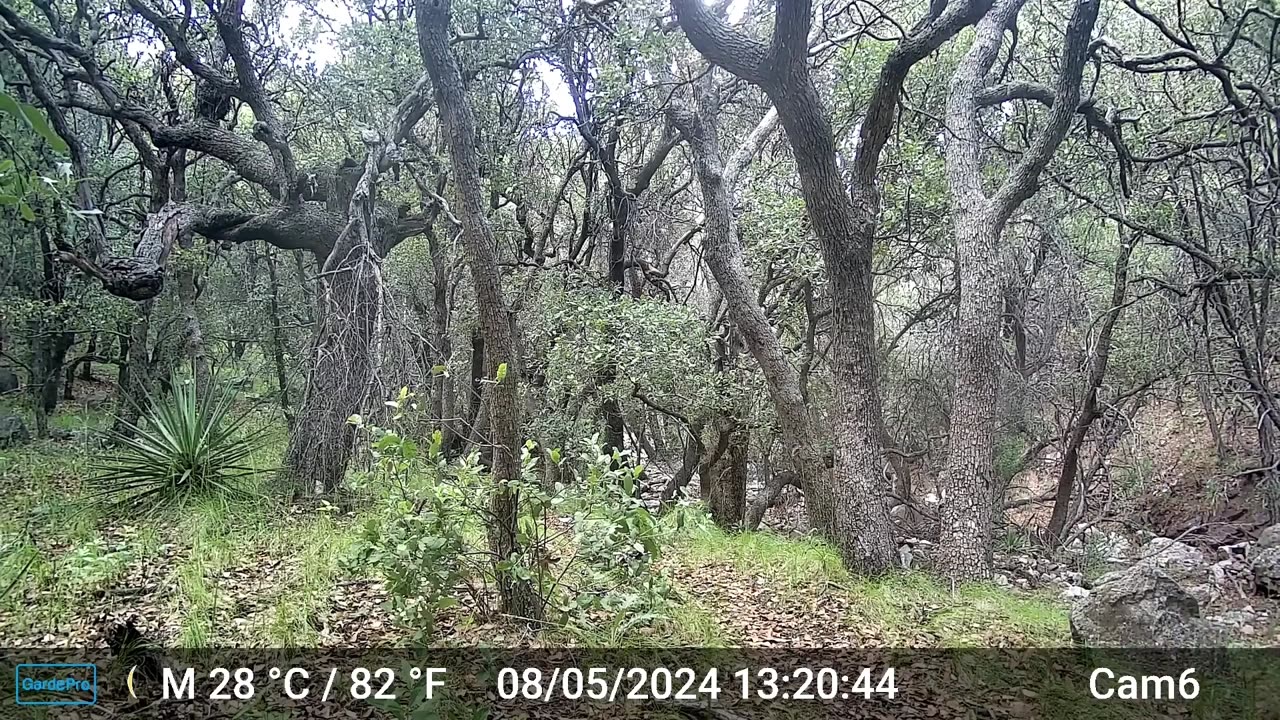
(795, 562)
(905, 606)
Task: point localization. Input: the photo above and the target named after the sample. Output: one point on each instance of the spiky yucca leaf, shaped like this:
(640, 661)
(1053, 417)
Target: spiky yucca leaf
(187, 446)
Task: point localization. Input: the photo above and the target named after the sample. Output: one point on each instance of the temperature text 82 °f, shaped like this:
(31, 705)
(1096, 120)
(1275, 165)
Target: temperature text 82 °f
(295, 683)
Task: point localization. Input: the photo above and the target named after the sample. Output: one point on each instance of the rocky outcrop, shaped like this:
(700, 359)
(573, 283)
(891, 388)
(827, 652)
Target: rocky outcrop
(1186, 565)
(1142, 606)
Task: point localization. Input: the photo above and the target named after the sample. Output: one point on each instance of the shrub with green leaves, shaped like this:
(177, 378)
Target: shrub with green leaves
(586, 544)
(188, 446)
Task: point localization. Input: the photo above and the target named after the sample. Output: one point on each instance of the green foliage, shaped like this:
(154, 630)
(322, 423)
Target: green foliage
(1008, 460)
(189, 446)
(420, 544)
(34, 118)
(92, 563)
(585, 543)
(20, 181)
(655, 345)
(616, 540)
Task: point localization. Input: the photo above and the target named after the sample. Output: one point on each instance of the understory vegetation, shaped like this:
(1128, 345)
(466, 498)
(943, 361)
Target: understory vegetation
(404, 563)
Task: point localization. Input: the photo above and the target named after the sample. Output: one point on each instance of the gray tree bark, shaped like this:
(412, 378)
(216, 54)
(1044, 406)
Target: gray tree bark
(722, 252)
(849, 507)
(967, 481)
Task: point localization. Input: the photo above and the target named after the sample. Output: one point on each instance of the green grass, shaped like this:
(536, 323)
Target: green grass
(795, 562)
(907, 605)
(198, 602)
(318, 547)
(907, 608)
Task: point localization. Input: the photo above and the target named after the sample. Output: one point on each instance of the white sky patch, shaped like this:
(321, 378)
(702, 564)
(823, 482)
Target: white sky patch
(557, 89)
(323, 49)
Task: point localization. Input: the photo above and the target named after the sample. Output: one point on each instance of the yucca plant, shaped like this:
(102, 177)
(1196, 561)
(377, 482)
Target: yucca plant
(187, 446)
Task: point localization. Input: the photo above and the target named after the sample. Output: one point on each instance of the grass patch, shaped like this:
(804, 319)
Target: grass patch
(915, 609)
(907, 608)
(793, 562)
(316, 550)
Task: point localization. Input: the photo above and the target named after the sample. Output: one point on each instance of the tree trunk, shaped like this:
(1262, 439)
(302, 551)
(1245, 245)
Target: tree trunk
(469, 431)
(729, 485)
(135, 370)
(442, 383)
(344, 355)
(86, 370)
(1088, 412)
(967, 482)
(458, 125)
(846, 506)
(277, 337)
(693, 450)
(192, 335)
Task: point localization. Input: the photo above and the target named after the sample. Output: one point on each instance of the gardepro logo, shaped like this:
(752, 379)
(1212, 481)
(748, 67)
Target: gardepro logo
(56, 684)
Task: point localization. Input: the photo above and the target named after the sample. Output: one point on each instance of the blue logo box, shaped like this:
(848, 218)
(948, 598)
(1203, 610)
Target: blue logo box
(56, 684)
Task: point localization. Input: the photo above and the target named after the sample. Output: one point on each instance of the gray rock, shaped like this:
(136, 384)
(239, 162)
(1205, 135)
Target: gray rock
(8, 381)
(1000, 580)
(13, 431)
(1108, 545)
(1266, 571)
(1072, 593)
(1184, 563)
(1270, 538)
(1141, 606)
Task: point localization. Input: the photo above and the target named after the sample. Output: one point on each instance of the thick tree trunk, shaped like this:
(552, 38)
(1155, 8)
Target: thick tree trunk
(967, 482)
(852, 503)
(432, 19)
(344, 359)
(849, 504)
(729, 486)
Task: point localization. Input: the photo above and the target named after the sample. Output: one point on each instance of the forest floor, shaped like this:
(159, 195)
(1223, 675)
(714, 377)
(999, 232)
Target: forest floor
(254, 574)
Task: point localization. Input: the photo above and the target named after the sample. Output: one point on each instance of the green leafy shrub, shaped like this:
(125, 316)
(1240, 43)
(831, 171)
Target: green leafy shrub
(421, 544)
(586, 545)
(188, 446)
